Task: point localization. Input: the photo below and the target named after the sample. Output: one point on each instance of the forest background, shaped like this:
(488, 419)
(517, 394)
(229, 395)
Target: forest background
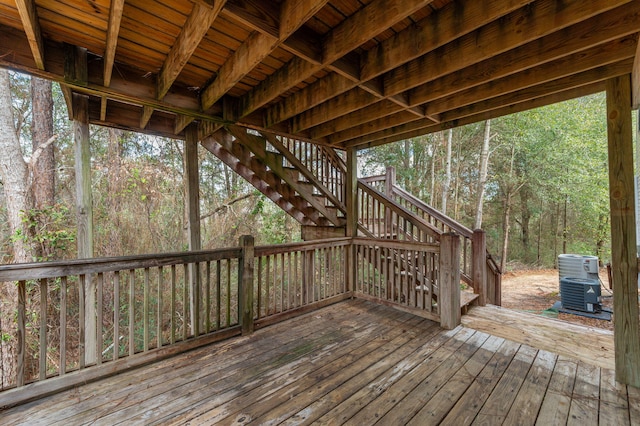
(543, 189)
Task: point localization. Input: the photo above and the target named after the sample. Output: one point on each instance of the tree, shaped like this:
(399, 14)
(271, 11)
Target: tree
(447, 179)
(482, 174)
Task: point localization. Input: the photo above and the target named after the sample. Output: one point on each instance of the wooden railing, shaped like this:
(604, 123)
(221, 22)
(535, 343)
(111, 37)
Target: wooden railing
(82, 319)
(321, 165)
(388, 211)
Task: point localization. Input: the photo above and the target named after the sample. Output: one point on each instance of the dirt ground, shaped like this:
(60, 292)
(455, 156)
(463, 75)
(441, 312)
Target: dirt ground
(536, 290)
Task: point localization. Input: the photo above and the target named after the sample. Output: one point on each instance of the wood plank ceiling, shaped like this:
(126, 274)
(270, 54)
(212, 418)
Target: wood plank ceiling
(339, 72)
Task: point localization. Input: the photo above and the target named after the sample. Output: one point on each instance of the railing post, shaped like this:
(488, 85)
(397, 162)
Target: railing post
(245, 284)
(351, 187)
(479, 266)
(390, 180)
(449, 299)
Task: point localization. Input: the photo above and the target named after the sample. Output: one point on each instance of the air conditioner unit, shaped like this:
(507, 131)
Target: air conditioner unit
(580, 294)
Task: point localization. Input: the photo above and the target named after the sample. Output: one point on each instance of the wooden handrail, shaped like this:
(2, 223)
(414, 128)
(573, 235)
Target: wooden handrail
(400, 211)
(449, 222)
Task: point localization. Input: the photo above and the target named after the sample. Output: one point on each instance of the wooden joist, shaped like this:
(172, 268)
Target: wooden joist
(31, 25)
(113, 30)
(194, 29)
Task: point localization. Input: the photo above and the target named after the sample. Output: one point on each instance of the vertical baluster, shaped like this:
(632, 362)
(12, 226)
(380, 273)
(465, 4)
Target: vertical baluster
(282, 282)
(81, 320)
(43, 329)
(218, 293)
(185, 301)
(99, 316)
(207, 298)
(172, 303)
(145, 312)
(63, 325)
(160, 306)
(259, 298)
(116, 315)
(296, 267)
(267, 284)
(132, 309)
(289, 303)
(228, 292)
(22, 332)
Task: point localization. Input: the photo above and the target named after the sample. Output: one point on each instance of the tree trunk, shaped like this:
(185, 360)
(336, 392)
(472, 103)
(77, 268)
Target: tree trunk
(447, 176)
(41, 131)
(525, 195)
(432, 192)
(483, 170)
(505, 230)
(456, 187)
(15, 179)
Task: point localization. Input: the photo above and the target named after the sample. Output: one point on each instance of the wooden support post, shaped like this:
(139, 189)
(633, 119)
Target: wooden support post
(351, 188)
(84, 219)
(624, 266)
(245, 284)
(449, 299)
(479, 265)
(192, 182)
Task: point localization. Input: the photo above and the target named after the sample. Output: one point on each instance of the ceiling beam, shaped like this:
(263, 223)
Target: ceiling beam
(600, 29)
(532, 22)
(194, 29)
(127, 117)
(29, 17)
(350, 34)
(363, 115)
(443, 26)
(578, 62)
(527, 96)
(525, 25)
(258, 46)
(127, 85)
(113, 29)
(513, 89)
(427, 127)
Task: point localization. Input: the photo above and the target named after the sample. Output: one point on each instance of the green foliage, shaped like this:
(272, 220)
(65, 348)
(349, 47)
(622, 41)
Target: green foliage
(49, 230)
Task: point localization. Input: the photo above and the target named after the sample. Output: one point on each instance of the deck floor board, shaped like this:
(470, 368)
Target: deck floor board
(351, 363)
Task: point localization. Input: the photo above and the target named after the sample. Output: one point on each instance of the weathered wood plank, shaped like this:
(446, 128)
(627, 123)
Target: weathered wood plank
(181, 368)
(359, 391)
(437, 408)
(557, 400)
(359, 364)
(585, 397)
(527, 404)
(614, 404)
(413, 401)
(545, 333)
(497, 406)
(470, 403)
(275, 371)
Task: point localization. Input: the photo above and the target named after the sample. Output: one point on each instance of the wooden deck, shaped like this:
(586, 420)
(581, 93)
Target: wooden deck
(350, 363)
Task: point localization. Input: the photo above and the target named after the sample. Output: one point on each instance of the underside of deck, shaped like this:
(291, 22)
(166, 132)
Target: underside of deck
(353, 362)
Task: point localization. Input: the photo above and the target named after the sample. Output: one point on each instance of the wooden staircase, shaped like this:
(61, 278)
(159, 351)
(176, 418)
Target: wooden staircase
(307, 181)
(266, 163)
